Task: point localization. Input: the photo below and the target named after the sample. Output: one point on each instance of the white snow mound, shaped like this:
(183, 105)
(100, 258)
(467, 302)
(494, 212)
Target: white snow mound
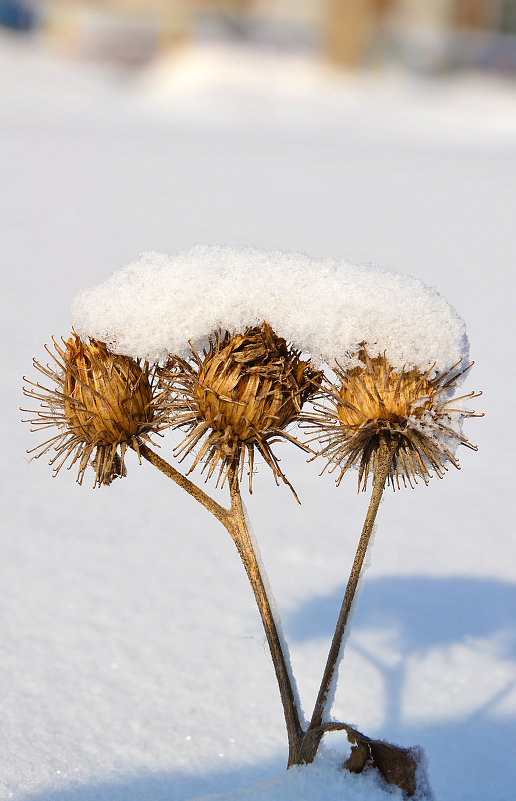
(326, 307)
(324, 780)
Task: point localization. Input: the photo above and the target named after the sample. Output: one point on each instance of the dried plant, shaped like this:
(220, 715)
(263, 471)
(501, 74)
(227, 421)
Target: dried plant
(392, 425)
(373, 402)
(103, 403)
(240, 394)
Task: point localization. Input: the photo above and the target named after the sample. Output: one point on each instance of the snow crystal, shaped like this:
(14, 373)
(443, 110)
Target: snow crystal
(325, 307)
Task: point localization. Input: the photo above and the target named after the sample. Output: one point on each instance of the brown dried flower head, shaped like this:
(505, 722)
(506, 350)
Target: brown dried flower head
(239, 395)
(102, 402)
(407, 410)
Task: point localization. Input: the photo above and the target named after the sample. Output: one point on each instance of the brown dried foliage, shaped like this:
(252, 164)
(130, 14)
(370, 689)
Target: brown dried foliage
(398, 766)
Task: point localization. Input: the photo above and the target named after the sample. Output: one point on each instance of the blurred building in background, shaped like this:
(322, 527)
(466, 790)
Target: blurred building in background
(429, 36)
(423, 35)
(129, 32)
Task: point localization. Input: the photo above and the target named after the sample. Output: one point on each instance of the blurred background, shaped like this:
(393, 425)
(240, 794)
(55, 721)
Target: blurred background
(420, 35)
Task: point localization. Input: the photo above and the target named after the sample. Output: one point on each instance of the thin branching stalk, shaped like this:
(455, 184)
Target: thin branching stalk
(316, 728)
(234, 521)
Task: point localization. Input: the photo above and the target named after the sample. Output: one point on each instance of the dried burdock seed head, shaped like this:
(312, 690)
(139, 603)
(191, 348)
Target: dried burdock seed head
(102, 402)
(406, 409)
(240, 394)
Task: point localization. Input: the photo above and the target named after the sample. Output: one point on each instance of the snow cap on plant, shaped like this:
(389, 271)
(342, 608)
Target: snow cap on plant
(159, 303)
(162, 304)
(101, 404)
(240, 394)
(414, 414)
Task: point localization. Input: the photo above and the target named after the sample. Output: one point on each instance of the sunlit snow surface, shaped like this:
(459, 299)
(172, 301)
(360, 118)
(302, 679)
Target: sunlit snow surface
(133, 665)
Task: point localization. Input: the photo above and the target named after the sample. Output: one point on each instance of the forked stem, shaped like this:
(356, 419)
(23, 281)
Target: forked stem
(303, 745)
(234, 521)
(315, 731)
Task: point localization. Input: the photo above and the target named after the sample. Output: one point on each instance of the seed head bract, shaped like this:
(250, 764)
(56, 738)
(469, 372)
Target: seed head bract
(100, 404)
(239, 395)
(372, 402)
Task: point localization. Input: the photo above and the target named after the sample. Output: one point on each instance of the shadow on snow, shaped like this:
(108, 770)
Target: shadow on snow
(428, 612)
(424, 613)
(163, 786)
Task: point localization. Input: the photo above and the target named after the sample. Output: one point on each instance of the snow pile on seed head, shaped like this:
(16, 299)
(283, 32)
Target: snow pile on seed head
(325, 307)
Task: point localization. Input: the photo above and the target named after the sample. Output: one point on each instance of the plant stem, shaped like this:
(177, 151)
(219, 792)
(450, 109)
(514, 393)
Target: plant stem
(312, 740)
(244, 544)
(234, 521)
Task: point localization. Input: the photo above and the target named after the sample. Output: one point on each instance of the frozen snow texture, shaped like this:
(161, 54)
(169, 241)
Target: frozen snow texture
(326, 307)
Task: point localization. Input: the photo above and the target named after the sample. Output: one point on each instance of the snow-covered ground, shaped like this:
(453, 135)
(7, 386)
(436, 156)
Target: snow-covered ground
(133, 664)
